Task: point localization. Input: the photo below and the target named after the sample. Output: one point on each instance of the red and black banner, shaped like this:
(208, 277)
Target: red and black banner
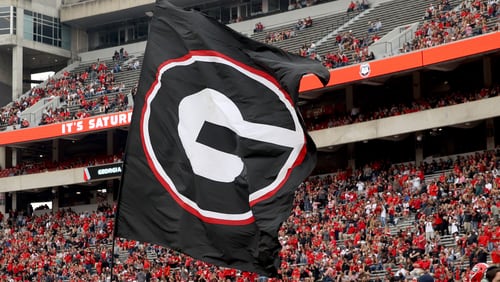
(216, 148)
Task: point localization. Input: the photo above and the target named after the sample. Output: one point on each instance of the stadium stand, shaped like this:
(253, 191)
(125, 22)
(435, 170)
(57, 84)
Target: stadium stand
(360, 217)
(369, 224)
(316, 117)
(324, 116)
(348, 34)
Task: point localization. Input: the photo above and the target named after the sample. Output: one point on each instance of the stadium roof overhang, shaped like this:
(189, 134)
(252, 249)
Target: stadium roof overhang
(77, 19)
(38, 60)
(111, 17)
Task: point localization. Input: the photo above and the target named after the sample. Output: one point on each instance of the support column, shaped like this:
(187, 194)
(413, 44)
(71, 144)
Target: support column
(487, 77)
(417, 85)
(419, 155)
(490, 134)
(419, 148)
(2, 204)
(110, 190)
(109, 197)
(17, 56)
(93, 200)
(17, 72)
(265, 6)
(2, 158)
(349, 98)
(110, 140)
(14, 159)
(55, 199)
(55, 150)
(14, 200)
(351, 161)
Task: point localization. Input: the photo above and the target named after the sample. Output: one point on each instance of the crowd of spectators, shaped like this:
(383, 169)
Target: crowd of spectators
(328, 115)
(10, 115)
(304, 23)
(349, 44)
(280, 35)
(82, 94)
(275, 36)
(339, 230)
(93, 91)
(120, 56)
(442, 24)
(340, 225)
(31, 166)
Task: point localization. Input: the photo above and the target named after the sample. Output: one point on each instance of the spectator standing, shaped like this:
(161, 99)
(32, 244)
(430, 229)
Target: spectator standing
(378, 25)
(122, 54)
(351, 7)
(429, 229)
(259, 27)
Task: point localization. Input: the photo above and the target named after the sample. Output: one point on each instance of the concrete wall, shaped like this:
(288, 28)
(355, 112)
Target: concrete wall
(291, 17)
(5, 93)
(79, 41)
(46, 7)
(391, 126)
(6, 69)
(79, 10)
(42, 180)
(98, 7)
(45, 48)
(132, 49)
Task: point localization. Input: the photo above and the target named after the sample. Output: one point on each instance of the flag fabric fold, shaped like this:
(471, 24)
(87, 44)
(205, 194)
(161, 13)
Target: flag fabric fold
(216, 147)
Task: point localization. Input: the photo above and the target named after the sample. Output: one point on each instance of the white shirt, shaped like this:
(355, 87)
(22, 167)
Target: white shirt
(428, 227)
(361, 186)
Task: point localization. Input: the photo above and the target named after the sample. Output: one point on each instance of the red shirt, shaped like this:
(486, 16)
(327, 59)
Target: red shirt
(483, 240)
(495, 256)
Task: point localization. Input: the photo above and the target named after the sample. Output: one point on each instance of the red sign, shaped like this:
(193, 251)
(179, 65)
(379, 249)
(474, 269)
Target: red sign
(95, 123)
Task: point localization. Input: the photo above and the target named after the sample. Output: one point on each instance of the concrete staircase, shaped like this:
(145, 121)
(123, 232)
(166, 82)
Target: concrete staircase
(321, 27)
(392, 14)
(405, 224)
(446, 241)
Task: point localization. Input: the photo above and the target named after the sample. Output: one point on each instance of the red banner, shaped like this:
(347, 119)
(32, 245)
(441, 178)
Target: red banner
(95, 123)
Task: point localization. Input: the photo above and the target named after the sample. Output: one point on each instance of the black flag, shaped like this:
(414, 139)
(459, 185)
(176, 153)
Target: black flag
(216, 148)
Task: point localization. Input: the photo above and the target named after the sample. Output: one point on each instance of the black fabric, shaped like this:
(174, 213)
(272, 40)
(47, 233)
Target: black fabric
(204, 88)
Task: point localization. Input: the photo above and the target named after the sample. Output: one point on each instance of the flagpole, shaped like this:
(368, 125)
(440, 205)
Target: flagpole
(112, 255)
(115, 226)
